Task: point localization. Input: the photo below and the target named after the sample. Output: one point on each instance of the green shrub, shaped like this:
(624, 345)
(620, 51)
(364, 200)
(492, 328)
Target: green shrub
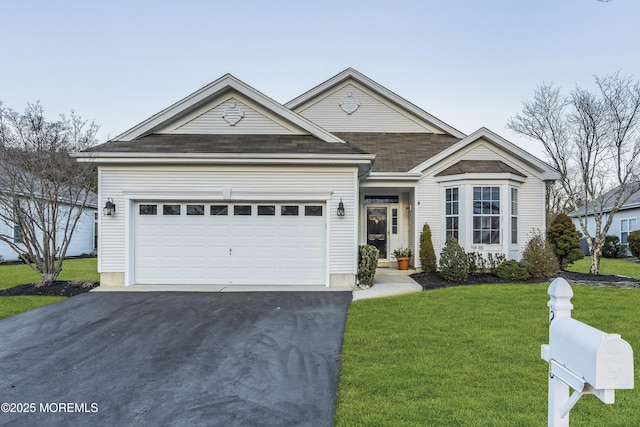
(454, 263)
(367, 264)
(427, 253)
(634, 243)
(512, 270)
(565, 239)
(539, 258)
(611, 248)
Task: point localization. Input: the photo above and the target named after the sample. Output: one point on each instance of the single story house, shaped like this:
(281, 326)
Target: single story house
(624, 222)
(228, 186)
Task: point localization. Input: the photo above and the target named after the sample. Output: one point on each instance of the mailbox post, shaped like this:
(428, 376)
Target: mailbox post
(581, 357)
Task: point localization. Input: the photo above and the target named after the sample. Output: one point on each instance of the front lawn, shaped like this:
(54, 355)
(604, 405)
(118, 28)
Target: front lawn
(84, 270)
(621, 267)
(470, 356)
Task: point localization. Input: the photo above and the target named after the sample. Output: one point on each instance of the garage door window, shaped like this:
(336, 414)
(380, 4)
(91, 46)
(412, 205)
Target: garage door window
(148, 210)
(313, 210)
(241, 210)
(269, 210)
(195, 209)
(219, 210)
(170, 209)
(289, 210)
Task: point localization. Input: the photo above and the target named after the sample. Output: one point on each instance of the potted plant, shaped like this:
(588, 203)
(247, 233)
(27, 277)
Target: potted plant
(403, 256)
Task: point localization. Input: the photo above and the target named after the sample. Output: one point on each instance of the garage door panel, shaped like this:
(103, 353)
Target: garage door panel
(230, 249)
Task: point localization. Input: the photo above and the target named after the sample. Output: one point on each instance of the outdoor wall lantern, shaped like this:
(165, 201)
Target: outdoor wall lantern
(341, 208)
(109, 208)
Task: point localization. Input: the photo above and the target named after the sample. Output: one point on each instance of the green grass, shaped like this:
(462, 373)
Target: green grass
(13, 275)
(470, 356)
(608, 266)
(85, 269)
(10, 306)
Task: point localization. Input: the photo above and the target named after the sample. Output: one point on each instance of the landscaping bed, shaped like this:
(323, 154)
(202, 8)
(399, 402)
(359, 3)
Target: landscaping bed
(435, 281)
(65, 288)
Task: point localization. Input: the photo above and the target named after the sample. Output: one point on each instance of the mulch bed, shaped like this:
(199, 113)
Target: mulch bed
(56, 289)
(435, 281)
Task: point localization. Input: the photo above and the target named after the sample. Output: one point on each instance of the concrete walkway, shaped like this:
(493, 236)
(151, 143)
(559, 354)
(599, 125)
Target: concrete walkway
(388, 282)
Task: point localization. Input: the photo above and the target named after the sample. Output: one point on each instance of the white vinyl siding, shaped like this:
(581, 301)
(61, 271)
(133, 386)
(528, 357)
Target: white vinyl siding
(210, 120)
(372, 115)
(127, 184)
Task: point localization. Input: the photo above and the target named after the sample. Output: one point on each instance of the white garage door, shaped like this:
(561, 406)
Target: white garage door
(223, 243)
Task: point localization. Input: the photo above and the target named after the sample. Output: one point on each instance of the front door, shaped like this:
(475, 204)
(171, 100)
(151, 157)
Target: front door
(377, 229)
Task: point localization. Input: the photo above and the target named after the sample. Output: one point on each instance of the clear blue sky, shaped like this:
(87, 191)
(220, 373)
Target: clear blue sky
(470, 63)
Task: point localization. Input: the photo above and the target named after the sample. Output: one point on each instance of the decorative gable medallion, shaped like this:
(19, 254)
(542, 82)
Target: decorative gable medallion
(233, 115)
(349, 103)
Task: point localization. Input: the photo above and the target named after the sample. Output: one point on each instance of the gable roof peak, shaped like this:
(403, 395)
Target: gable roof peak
(352, 73)
(218, 87)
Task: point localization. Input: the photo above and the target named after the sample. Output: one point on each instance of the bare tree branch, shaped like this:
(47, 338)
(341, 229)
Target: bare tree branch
(593, 140)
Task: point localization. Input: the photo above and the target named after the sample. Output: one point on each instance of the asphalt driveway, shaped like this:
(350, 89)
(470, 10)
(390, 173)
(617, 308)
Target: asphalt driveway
(174, 358)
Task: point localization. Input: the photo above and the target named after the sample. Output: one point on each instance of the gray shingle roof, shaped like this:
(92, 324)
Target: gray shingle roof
(399, 152)
(607, 200)
(480, 166)
(234, 144)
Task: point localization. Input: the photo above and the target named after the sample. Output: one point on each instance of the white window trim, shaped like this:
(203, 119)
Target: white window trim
(629, 228)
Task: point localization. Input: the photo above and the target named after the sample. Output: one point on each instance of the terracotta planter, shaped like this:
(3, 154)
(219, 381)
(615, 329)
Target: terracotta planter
(403, 263)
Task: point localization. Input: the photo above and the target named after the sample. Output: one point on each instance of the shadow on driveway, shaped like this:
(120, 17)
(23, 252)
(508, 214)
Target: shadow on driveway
(175, 358)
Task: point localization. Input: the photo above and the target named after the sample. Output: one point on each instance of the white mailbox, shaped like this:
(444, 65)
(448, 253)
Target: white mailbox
(581, 357)
(604, 361)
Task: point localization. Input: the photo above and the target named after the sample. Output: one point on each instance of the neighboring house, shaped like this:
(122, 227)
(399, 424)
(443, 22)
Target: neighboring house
(228, 186)
(626, 220)
(83, 241)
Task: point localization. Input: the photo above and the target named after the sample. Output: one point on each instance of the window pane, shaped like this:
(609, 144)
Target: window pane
(495, 208)
(195, 209)
(17, 234)
(380, 200)
(148, 209)
(477, 193)
(170, 209)
(242, 210)
(477, 208)
(495, 237)
(266, 210)
(313, 211)
(486, 193)
(289, 210)
(633, 224)
(219, 210)
(495, 193)
(514, 230)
